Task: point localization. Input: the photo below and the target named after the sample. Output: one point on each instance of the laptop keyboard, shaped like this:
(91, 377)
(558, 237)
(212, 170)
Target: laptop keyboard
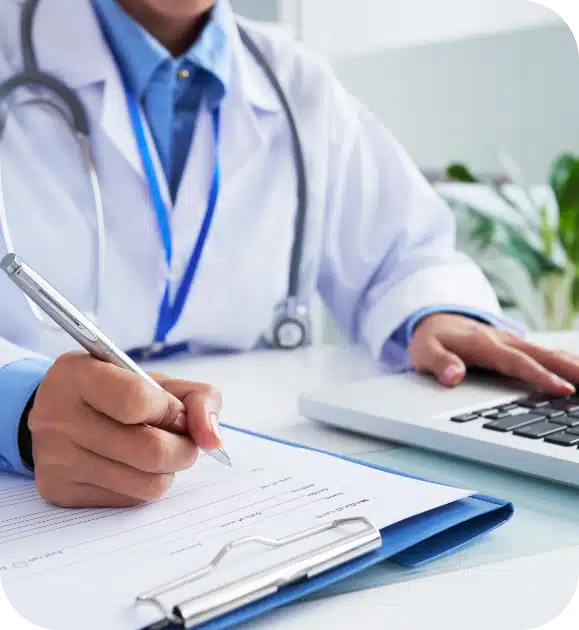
(537, 417)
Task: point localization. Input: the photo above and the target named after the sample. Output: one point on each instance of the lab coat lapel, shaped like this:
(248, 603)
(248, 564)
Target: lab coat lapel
(250, 98)
(249, 108)
(70, 45)
(116, 123)
(249, 101)
(79, 55)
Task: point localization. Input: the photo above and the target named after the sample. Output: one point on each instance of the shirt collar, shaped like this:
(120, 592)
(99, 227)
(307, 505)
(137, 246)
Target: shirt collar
(81, 57)
(139, 54)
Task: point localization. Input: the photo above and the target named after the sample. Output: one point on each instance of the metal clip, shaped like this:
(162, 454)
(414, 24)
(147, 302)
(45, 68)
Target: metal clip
(230, 596)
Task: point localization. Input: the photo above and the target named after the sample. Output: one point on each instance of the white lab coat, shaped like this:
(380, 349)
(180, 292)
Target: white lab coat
(380, 243)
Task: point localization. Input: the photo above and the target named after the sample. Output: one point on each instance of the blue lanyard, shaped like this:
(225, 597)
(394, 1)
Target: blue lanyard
(169, 314)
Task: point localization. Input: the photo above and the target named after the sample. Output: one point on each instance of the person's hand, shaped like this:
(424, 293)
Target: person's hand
(446, 345)
(90, 445)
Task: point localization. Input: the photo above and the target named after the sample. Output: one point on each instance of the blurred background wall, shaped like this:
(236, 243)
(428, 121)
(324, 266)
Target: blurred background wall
(517, 91)
(454, 80)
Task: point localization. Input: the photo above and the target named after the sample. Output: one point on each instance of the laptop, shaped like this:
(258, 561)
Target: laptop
(488, 419)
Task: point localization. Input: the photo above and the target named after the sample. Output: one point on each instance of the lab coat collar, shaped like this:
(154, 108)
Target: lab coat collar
(70, 44)
(251, 80)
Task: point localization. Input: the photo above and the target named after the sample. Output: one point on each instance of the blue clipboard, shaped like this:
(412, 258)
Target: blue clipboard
(410, 543)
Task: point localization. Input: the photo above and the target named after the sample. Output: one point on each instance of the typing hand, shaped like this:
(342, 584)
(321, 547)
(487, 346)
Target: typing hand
(90, 445)
(447, 344)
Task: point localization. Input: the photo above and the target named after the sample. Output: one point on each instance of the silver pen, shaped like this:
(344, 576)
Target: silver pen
(79, 327)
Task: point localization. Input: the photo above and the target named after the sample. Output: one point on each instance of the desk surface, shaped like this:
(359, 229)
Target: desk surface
(501, 579)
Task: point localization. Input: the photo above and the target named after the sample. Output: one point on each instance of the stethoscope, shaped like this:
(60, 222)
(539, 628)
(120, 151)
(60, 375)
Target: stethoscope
(291, 325)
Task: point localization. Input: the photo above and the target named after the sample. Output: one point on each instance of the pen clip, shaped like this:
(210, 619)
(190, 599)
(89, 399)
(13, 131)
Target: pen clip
(71, 320)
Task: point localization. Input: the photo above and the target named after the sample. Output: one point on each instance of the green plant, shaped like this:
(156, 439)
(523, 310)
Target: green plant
(542, 241)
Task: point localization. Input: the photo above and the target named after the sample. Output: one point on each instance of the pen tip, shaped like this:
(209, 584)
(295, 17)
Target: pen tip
(221, 456)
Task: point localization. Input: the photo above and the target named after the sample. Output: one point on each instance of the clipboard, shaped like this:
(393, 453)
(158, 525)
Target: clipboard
(410, 543)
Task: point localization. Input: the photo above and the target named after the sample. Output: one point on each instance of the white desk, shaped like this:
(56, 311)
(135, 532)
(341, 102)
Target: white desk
(260, 390)
(520, 577)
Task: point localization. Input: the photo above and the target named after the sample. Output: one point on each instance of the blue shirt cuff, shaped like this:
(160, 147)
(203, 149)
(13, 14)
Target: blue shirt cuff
(403, 333)
(18, 381)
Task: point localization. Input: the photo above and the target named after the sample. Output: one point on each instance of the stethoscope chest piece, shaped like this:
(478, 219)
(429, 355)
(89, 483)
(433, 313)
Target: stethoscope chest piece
(291, 325)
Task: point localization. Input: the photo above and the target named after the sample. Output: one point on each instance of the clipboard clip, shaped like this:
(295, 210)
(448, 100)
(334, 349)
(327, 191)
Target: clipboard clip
(231, 596)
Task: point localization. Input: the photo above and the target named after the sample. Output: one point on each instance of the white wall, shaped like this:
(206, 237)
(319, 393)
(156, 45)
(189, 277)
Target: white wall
(344, 27)
(261, 10)
(466, 99)
(453, 79)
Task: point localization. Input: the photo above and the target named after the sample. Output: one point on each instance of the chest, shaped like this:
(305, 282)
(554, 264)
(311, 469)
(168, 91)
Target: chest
(243, 270)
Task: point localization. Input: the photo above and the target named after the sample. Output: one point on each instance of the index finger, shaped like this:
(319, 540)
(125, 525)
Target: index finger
(491, 353)
(127, 397)
(562, 363)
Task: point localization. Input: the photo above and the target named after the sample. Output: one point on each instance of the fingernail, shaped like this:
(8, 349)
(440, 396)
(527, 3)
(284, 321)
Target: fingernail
(563, 383)
(452, 371)
(214, 424)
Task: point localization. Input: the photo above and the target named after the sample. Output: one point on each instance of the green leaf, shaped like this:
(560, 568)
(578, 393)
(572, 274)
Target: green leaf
(484, 232)
(537, 263)
(564, 181)
(459, 173)
(548, 234)
(488, 230)
(575, 293)
(506, 303)
(516, 176)
(568, 235)
(499, 193)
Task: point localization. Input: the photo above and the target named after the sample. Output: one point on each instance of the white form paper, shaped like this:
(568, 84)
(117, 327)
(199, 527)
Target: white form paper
(67, 569)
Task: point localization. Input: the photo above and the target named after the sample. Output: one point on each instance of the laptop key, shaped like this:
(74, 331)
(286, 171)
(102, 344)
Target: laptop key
(573, 430)
(465, 417)
(535, 404)
(552, 413)
(487, 413)
(568, 406)
(504, 425)
(539, 429)
(566, 419)
(563, 439)
(498, 415)
(508, 407)
(535, 401)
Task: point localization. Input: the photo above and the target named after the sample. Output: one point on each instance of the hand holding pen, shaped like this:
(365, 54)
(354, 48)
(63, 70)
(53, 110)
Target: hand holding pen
(106, 435)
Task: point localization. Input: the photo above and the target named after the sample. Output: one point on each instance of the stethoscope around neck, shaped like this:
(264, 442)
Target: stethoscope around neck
(291, 324)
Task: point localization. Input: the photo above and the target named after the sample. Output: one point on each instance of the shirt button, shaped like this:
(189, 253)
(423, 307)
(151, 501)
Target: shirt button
(183, 73)
(5, 464)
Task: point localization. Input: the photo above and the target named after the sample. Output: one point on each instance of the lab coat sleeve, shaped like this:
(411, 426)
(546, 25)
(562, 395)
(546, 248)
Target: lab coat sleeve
(20, 375)
(389, 242)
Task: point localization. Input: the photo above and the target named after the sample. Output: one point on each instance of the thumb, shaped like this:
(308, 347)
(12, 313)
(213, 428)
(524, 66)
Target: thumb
(174, 418)
(447, 366)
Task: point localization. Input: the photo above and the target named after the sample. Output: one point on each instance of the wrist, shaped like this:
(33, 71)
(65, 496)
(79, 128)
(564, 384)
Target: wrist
(25, 436)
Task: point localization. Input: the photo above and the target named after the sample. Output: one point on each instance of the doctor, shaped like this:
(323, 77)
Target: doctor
(205, 209)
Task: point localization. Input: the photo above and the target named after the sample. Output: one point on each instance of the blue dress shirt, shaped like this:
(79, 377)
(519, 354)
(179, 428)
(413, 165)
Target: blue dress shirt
(170, 92)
